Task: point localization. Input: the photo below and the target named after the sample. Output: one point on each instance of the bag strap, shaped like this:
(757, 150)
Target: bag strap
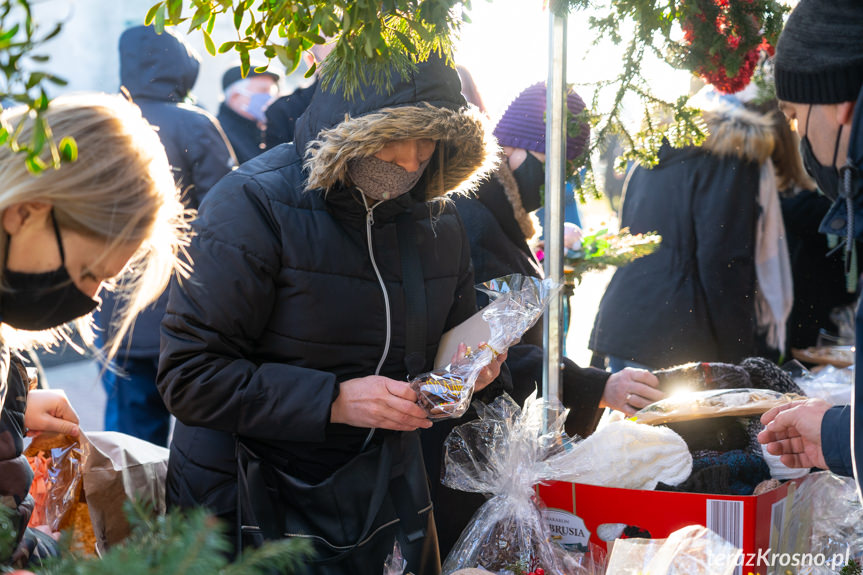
(254, 487)
(415, 295)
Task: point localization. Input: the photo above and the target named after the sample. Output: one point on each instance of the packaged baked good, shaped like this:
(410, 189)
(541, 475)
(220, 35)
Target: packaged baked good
(84, 482)
(712, 403)
(504, 454)
(60, 505)
(517, 303)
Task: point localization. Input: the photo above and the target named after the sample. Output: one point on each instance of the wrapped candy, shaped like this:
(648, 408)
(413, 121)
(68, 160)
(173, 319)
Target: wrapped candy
(517, 302)
(505, 453)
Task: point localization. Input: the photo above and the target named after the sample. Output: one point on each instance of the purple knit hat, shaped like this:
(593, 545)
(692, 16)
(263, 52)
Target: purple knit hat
(523, 123)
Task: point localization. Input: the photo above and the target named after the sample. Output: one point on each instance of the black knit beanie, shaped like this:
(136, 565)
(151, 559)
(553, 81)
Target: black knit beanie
(819, 56)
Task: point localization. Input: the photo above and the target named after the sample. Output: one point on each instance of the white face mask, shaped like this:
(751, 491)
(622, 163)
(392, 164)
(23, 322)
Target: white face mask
(380, 180)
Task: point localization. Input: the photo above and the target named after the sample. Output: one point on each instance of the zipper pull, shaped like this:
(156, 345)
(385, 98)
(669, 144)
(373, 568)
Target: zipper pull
(370, 217)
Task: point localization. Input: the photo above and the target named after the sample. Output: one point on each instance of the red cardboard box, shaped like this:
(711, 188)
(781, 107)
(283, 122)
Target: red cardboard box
(752, 523)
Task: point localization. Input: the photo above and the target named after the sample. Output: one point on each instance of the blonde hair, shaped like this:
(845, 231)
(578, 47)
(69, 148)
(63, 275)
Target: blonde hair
(119, 189)
(790, 173)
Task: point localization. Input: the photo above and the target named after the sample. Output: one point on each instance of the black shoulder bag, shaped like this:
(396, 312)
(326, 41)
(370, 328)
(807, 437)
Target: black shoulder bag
(380, 496)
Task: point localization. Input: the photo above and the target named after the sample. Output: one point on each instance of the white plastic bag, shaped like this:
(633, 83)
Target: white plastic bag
(692, 550)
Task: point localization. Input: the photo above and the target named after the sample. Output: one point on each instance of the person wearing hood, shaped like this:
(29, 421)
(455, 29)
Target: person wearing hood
(819, 84)
(243, 111)
(719, 285)
(158, 72)
(326, 271)
(499, 223)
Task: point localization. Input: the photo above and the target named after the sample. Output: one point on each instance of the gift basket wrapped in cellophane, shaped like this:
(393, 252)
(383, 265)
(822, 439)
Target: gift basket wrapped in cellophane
(508, 450)
(504, 453)
(517, 302)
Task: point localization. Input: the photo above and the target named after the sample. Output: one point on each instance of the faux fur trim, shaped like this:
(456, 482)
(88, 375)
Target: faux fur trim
(737, 131)
(510, 188)
(466, 151)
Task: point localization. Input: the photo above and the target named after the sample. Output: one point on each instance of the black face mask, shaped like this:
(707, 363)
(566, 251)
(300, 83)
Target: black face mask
(530, 177)
(38, 301)
(827, 177)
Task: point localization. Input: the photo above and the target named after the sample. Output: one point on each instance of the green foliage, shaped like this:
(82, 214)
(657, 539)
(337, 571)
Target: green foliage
(20, 39)
(656, 29)
(179, 544)
(852, 568)
(7, 533)
(373, 38)
(603, 249)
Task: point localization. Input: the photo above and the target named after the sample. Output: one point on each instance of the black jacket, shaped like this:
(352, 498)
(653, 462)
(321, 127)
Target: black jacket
(284, 301)
(819, 278)
(159, 71)
(282, 115)
(246, 138)
(840, 423)
(693, 299)
(15, 473)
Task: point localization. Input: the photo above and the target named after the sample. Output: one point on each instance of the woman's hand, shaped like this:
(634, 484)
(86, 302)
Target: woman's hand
(490, 372)
(50, 410)
(377, 401)
(630, 389)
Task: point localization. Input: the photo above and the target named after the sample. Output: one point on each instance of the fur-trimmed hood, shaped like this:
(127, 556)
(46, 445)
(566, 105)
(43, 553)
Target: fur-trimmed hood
(425, 104)
(738, 131)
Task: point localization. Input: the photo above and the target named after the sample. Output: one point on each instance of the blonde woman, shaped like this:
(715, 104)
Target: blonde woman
(112, 213)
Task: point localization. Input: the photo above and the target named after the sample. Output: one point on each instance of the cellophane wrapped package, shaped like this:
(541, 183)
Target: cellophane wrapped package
(81, 484)
(691, 550)
(827, 527)
(517, 302)
(504, 453)
(395, 563)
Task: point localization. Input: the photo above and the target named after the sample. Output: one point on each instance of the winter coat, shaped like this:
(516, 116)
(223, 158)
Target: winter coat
(285, 301)
(819, 278)
(246, 138)
(159, 71)
(283, 113)
(693, 299)
(498, 225)
(841, 421)
(15, 473)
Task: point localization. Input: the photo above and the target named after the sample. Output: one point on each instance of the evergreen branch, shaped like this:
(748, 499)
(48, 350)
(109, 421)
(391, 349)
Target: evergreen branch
(374, 40)
(21, 83)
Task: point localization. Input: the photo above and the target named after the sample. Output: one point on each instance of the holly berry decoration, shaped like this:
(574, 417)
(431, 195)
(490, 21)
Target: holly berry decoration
(723, 38)
(537, 571)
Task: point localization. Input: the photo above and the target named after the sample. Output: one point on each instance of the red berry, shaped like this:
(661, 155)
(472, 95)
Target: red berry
(540, 571)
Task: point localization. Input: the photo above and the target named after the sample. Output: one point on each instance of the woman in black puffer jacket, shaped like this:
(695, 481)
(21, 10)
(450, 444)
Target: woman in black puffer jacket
(292, 330)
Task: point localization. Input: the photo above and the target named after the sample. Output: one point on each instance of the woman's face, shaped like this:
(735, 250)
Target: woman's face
(408, 154)
(33, 248)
